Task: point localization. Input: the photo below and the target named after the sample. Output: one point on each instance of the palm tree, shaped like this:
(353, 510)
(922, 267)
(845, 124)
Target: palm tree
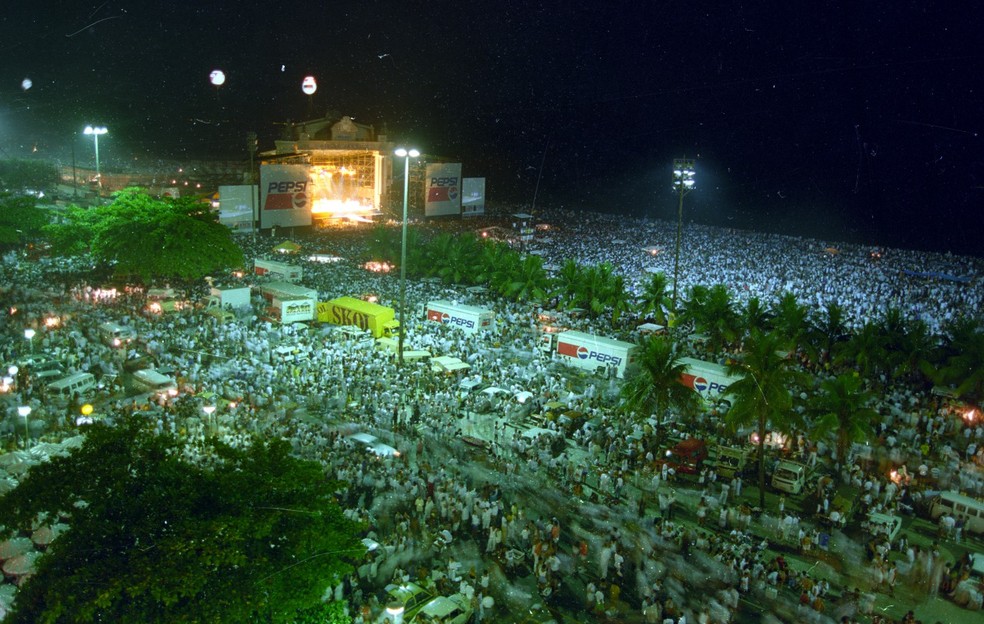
(828, 329)
(719, 319)
(844, 413)
(961, 363)
(654, 387)
(755, 318)
(864, 352)
(616, 298)
(567, 280)
(763, 394)
(790, 319)
(490, 257)
(655, 299)
(528, 281)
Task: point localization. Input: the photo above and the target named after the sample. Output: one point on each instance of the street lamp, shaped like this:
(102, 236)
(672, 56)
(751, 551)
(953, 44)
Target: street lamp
(24, 411)
(95, 132)
(29, 335)
(406, 155)
(683, 183)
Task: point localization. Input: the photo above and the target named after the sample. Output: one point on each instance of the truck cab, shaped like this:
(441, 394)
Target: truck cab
(789, 477)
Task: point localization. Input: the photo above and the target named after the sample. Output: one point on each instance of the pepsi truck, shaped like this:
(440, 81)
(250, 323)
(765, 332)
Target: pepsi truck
(707, 379)
(592, 352)
(465, 317)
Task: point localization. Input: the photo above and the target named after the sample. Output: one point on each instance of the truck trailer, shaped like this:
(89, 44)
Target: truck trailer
(292, 310)
(707, 379)
(228, 298)
(593, 352)
(372, 317)
(466, 317)
(275, 269)
(286, 290)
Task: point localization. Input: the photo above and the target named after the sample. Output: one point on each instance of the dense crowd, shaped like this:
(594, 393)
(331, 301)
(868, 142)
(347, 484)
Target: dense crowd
(598, 526)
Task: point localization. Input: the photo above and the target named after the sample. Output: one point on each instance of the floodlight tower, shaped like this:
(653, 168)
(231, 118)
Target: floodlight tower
(683, 183)
(95, 132)
(406, 154)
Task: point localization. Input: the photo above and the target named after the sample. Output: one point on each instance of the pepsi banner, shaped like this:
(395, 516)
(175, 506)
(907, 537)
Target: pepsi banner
(443, 190)
(473, 197)
(285, 199)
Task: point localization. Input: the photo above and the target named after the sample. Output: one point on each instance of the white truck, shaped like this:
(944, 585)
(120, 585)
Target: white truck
(292, 310)
(707, 379)
(469, 318)
(592, 352)
(228, 298)
(275, 269)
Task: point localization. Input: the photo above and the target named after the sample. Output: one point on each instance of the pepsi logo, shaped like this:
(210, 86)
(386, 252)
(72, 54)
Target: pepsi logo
(582, 352)
(445, 317)
(700, 384)
(300, 200)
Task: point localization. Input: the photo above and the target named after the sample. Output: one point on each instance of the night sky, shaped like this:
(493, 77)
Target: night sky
(842, 120)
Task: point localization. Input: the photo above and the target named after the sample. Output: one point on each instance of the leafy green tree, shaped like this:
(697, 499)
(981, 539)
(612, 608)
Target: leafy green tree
(654, 385)
(17, 173)
(864, 352)
(763, 395)
(141, 236)
(843, 413)
(251, 535)
(21, 220)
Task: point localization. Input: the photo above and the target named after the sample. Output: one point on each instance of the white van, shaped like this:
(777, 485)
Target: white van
(116, 335)
(74, 385)
(153, 381)
(960, 506)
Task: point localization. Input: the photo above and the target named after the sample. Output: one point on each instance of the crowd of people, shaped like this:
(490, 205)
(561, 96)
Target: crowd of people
(590, 525)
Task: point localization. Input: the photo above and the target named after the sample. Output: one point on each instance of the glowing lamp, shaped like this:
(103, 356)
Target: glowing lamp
(309, 85)
(217, 77)
(87, 409)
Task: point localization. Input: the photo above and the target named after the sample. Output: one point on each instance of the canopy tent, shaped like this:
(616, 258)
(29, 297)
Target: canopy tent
(523, 396)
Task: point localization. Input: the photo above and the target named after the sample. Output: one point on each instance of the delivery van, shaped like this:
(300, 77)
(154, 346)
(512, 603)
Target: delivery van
(75, 385)
(960, 506)
(152, 381)
(116, 335)
(733, 461)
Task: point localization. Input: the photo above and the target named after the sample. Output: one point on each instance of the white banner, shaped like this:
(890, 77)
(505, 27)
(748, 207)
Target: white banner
(472, 197)
(285, 199)
(443, 189)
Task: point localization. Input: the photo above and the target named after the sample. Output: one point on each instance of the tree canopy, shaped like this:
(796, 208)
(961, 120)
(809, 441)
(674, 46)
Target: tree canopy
(142, 236)
(248, 535)
(20, 219)
(18, 174)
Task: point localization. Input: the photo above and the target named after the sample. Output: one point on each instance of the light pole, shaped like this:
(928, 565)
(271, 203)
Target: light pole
(683, 182)
(24, 411)
(209, 410)
(29, 335)
(95, 132)
(407, 154)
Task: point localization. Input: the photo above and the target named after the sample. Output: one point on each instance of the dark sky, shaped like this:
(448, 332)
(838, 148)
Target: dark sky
(840, 119)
